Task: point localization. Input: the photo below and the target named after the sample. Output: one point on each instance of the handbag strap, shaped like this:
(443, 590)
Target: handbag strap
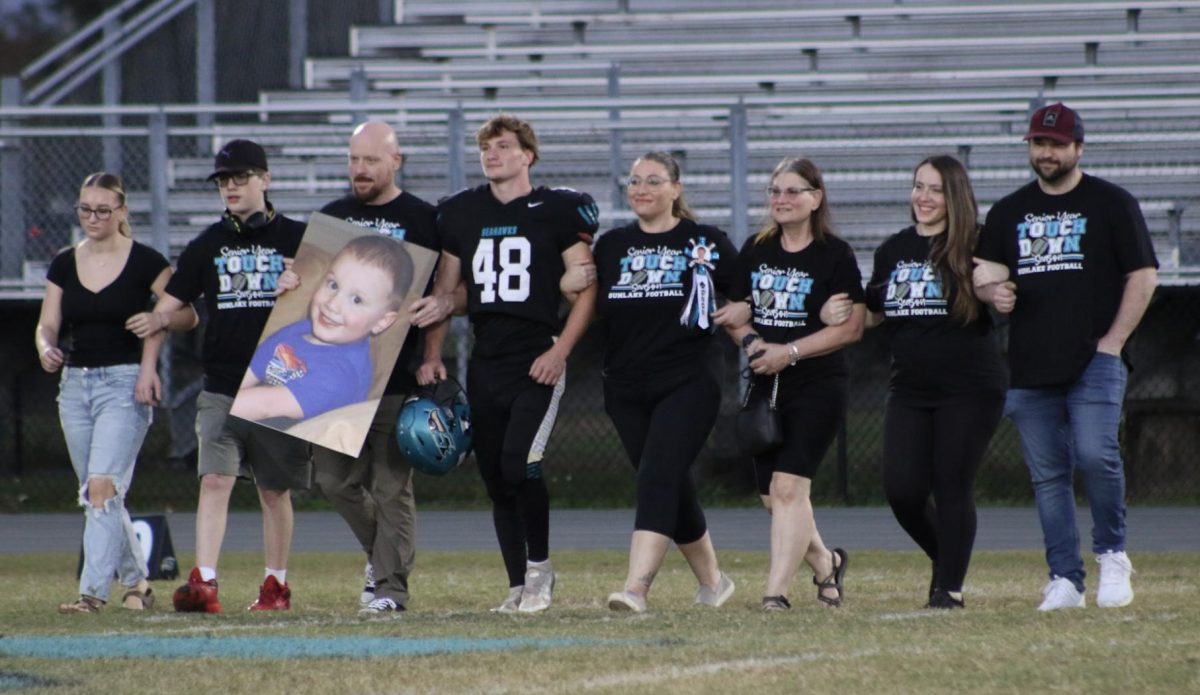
(774, 392)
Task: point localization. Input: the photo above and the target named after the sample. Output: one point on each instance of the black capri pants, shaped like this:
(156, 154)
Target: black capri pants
(663, 427)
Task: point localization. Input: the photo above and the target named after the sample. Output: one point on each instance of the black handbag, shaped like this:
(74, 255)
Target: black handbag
(757, 423)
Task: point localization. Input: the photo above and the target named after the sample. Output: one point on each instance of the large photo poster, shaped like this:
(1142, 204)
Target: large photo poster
(329, 345)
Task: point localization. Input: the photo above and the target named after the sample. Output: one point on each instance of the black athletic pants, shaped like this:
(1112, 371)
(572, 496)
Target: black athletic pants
(935, 447)
(512, 417)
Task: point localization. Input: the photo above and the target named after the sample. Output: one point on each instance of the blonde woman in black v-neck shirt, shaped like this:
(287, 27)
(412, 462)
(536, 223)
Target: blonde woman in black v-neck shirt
(109, 381)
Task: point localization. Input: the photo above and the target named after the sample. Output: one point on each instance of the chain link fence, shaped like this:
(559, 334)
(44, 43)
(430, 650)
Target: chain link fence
(45, 158)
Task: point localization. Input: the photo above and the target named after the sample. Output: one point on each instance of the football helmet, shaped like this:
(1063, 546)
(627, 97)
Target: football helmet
(433, 430)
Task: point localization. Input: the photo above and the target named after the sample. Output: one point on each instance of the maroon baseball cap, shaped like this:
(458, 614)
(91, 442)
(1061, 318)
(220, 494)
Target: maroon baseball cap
(1056, 122)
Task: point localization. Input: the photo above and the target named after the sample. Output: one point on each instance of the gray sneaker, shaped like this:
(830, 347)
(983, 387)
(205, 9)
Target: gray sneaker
(512, 603)
(621, 601)
(381, 606)
(706, 596)
(539, 589)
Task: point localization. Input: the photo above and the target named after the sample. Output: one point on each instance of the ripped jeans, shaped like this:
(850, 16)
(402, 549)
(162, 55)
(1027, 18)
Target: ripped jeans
(104, 428)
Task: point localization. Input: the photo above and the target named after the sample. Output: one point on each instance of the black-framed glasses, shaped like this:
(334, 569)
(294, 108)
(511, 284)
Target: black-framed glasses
(239, 179)
(777, 192)
(102, 214)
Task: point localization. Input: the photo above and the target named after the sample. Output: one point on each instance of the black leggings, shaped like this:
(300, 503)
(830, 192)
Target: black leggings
(663, 429)
(936, 446)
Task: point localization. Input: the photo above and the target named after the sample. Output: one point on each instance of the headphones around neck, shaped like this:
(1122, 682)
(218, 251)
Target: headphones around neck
(252, 223)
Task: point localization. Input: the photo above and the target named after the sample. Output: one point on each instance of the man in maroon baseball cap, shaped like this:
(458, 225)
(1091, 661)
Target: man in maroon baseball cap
(1075, 249)
(1056, 122)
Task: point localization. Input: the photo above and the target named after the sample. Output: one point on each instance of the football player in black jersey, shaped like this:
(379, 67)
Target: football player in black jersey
(511, 243)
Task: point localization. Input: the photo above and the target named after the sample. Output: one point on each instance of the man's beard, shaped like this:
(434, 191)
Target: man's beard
(1055, 175)
(370, 193)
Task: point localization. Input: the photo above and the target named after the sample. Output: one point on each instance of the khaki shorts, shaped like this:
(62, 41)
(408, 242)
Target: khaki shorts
(233, 446)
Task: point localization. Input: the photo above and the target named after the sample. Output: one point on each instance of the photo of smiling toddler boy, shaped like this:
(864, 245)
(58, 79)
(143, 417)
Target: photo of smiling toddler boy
(323, 361)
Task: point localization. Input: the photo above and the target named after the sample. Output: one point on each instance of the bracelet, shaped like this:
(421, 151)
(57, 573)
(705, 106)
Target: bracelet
(749, 338)
(793, 354)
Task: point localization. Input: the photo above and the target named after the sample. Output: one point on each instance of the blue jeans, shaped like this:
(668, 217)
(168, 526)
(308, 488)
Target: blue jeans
(104, 428)
(1069, 428)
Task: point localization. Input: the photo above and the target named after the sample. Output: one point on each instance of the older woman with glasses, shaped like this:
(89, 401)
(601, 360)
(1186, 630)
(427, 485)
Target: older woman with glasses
(109, 381)
(789, 270)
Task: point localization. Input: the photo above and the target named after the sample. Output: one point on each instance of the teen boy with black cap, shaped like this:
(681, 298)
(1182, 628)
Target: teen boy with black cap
(1075, 250)
(235, 265)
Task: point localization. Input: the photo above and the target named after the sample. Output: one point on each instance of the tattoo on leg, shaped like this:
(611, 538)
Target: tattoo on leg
(647, 579)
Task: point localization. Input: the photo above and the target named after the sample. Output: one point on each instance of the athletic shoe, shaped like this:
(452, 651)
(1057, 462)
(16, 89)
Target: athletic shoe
(512, 603)
(943, 599)
(368, 591)
(715, 597)
(1115, 590)
(85, 604)
(381, 605)
(272, 596)
(539, 589)
(197, 596)
(622, 601)
(776, 603)
(1061, 593)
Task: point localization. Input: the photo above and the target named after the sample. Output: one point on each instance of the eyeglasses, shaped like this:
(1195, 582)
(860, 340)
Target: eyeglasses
(102, 214)
(777, 192)
(652, 182)
(238, 179)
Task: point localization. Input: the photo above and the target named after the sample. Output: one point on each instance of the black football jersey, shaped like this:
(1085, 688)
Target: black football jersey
(511, 256)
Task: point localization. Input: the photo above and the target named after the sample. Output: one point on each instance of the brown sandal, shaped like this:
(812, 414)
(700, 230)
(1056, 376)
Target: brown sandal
(137, 600)
(834, 580)
(85, 604)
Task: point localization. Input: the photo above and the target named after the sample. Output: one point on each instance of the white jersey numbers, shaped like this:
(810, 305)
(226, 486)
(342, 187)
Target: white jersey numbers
(506, 272)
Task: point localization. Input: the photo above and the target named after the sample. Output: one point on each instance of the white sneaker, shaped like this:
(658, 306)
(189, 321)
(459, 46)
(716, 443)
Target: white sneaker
(368, 591)
(706, 596)
(381, 606)
(626, 601)
(1115, 590)
(1060, 593)
(512, 603)
(539, 588)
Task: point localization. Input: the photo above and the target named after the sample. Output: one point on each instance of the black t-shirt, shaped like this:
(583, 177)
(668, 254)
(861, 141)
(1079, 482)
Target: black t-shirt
(238, 275)
(933, 355)
(412, 220)
(787, 290)
(511, 256)
(93, 323)
(1069, 255)
(645, 283)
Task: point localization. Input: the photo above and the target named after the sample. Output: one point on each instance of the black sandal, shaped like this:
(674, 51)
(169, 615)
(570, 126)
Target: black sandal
(775, 603)
(834, 580)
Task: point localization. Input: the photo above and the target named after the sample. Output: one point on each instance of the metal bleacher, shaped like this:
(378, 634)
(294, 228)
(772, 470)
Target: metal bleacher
(865, 88)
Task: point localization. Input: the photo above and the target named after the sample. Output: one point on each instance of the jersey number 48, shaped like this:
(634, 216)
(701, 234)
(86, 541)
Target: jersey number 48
(503, 271)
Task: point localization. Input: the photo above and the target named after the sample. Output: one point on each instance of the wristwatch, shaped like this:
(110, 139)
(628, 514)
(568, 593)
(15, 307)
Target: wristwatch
(749, 338)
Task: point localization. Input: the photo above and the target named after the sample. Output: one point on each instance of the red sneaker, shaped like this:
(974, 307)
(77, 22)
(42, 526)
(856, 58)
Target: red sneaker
(197, 596)
(273, 596)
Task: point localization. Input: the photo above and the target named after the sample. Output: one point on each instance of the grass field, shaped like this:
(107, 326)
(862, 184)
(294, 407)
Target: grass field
(881, 641)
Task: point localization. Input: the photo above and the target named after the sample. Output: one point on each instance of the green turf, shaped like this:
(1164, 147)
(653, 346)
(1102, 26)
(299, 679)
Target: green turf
(881, 641)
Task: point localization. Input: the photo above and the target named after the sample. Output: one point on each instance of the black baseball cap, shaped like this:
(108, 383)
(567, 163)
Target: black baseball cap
(238, 156)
